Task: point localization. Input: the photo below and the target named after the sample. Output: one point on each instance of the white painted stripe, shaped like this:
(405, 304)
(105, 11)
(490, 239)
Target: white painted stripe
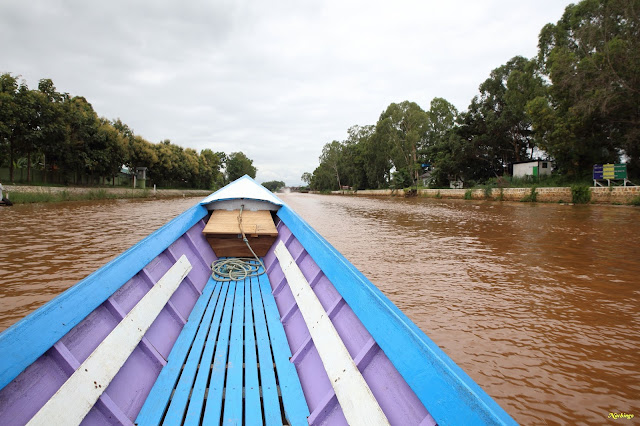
(354, 395)
(79, 393)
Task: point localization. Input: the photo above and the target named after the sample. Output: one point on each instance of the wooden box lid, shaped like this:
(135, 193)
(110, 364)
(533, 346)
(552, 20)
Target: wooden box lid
(254, 223)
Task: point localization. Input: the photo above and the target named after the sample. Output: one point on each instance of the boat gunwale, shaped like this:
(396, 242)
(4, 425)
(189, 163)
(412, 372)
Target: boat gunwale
(57, 317)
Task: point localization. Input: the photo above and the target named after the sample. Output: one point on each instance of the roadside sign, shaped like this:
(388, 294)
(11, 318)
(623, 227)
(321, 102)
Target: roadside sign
(609, 171)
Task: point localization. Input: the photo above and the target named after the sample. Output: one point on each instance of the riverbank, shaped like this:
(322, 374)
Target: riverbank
(19, 194)
(582, 195)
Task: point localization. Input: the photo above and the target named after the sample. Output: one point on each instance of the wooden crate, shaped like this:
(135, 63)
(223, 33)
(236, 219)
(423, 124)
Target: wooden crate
(223, 232)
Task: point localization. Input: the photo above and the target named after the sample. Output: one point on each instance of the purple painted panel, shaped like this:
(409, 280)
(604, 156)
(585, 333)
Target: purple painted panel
(184, 298)
(131, 293)
(397, 400)
(296, 249)
(326, 292)
(22, 398)
(89, 333)
(199, 272)
(284, 297)
(309, 269)
(132, 384)
(163, 332)
(313, 378)
(200, 243)
(158, 267)
(100, 416)
(332, 416)
(350, 329)
(295, 329)
(328, 412)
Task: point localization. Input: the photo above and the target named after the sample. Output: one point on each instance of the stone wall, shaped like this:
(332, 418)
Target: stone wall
(613, 195)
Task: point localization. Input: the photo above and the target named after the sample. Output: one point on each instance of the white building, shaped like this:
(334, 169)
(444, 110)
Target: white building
(532, 168)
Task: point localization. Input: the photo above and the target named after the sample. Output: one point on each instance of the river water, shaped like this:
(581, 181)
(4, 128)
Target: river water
(538, 303)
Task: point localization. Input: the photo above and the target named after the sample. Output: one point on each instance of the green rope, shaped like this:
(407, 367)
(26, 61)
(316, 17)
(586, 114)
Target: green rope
(238, 268)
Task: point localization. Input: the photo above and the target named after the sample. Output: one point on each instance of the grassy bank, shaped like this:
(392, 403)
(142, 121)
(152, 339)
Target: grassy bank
(45, 196)
(41, 194)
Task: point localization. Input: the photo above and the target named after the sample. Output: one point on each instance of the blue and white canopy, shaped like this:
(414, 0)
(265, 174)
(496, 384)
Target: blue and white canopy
(246, 191)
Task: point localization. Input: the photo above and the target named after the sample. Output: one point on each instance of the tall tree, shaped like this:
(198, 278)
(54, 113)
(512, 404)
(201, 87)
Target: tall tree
(497, 121)
(591, 113)
(332, 157)
(238, 165)
(404, 126)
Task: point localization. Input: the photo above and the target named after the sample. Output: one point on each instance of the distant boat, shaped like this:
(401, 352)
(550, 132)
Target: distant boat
(152, 337)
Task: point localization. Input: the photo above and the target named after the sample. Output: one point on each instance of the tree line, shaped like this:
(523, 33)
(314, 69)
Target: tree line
(63, 137)
(576, 103)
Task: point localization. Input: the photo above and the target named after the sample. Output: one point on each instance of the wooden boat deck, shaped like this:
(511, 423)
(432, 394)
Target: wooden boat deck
(230, 364)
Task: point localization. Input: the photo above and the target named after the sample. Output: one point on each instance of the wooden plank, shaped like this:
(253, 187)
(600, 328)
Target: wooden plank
(295, 404)
(253, 411)
(449, 394)
(202, 379)
(213, 406)
(56, 318)
(71, 403)
(233, 393)
(158, 398)
(225, 222)
(180, 399)
(270, 399)
(354, 395)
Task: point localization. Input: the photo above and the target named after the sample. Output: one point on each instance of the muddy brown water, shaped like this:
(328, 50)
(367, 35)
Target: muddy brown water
(538, 303)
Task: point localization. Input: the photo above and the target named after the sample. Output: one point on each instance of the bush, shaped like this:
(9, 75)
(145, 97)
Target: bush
(580, 194)
(532, 197)
(635, 201)
(468, 194)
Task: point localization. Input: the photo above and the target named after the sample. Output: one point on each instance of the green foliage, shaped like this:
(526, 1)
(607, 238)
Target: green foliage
(580, 194)
(438, 195)
(306, 177)
(468, 194)
(238, 165)
(64, 138)
(400, 179)
(274, 185)
(635, 201)
(589, 113)
(532, 197)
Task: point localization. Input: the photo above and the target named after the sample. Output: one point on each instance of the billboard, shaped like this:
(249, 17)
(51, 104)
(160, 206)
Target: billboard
(609, 171)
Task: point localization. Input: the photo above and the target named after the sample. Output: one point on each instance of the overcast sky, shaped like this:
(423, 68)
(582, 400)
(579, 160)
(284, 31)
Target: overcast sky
(273, 79)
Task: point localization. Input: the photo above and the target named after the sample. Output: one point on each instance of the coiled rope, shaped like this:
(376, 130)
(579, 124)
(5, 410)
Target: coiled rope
(238, 268)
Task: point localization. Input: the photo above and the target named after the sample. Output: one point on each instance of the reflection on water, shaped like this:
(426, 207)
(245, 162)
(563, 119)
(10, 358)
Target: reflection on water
(538, 303)
(46, 248)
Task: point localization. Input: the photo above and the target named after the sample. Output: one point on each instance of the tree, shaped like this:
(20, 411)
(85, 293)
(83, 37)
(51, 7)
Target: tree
(331, 156)
(210, 163)
(274, 185)
(590, 113)
(52, 137)
(404, 125)
(497, 122)
(17, 118)
(239, 165)
(306, 177)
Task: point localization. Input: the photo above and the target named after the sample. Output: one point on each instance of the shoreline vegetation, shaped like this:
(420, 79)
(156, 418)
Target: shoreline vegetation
(574, 105)
(620, 195)
(18, 194)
